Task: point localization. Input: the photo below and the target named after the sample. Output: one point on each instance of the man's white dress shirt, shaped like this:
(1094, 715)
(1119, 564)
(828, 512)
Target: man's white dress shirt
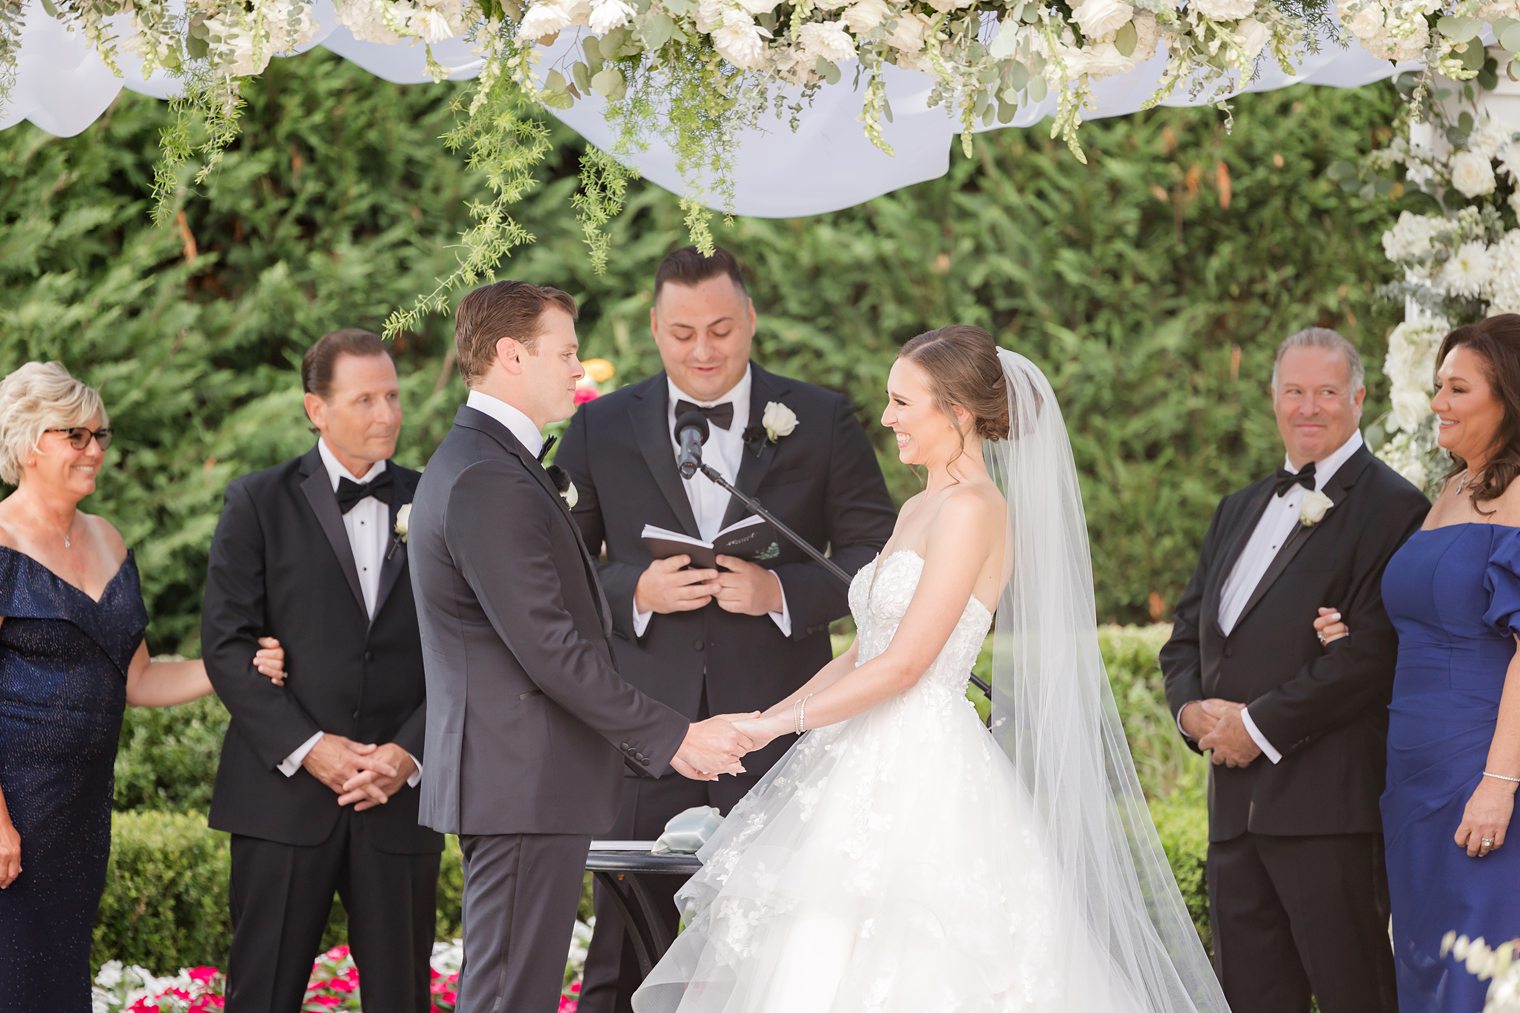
(1272, 531)
(368, 526)
(724, 450)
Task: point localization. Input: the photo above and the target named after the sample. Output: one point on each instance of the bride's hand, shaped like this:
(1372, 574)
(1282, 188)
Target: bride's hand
(761, 731)
(1329, 627)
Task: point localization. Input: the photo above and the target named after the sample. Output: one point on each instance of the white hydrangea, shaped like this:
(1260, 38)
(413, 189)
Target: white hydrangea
(1098, 18)
(1503, 290)
(1412, 236)
(1410, 365)
(1472, 173)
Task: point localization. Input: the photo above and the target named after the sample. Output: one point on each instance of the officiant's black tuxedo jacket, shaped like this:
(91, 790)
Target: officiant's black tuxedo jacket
(822, 481)
(281, 565)
(1325, 709)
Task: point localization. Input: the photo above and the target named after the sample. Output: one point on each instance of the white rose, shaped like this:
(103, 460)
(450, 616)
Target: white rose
(909, 33)
(1316, 504)
(1253, 37)
(1098, 18)
(1367, 21)
(740, 41)
(607, 15)
(778, 420)
(543, 20)
(1224, 10)
(1472, 174)
(1097, 61)
(826, 40)
(866, 16)
(403, 520)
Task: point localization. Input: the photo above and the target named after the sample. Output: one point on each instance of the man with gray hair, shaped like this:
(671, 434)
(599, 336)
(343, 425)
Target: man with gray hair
(1296, 729)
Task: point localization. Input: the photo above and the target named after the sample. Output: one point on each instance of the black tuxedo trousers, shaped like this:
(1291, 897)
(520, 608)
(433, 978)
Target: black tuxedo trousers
(1297, 889)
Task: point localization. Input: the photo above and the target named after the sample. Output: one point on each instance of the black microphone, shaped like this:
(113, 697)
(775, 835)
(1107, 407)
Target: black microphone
(691, 433)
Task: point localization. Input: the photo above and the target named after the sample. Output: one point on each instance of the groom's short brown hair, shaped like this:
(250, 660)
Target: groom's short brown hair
(689, 267)
(503, 309)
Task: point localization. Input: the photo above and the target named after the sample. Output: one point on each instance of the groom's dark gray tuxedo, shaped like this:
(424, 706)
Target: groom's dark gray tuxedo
(528, 723)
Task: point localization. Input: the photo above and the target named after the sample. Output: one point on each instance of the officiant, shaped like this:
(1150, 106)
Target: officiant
(742, 636)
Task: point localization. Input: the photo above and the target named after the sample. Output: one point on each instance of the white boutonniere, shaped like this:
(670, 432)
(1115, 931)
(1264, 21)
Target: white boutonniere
(403, 520)
(562, 483)
(570, 495)
(778, 420)
(1314, 507)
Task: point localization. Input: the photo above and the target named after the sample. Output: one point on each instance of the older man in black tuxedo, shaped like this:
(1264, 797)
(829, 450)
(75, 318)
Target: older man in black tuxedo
(317, 783)
(1296, 730)
(741, 637)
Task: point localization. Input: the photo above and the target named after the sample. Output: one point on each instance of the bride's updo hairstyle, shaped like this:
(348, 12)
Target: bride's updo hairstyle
(963, 367)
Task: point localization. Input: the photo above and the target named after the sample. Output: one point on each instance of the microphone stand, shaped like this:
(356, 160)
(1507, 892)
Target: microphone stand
(828, 564)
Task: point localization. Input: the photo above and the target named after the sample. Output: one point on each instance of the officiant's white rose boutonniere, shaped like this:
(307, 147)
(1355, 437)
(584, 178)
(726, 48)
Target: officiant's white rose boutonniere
(1316, 504)
(403, 521)
(778, 420)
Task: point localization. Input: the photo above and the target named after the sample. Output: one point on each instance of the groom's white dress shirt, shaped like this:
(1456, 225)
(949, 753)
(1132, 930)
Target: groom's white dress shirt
(367, 523)
(518, 424)
(1272, 531)
(724, 450)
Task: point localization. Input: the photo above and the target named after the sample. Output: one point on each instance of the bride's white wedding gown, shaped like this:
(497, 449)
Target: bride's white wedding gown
(891, 863)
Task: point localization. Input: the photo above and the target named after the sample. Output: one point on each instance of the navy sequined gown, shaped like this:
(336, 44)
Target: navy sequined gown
(63, 685)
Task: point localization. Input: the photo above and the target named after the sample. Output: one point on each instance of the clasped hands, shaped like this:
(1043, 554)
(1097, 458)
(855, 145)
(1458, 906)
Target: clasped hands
(716, 746)
(1220, 731)
(740, 587)
(361, 774)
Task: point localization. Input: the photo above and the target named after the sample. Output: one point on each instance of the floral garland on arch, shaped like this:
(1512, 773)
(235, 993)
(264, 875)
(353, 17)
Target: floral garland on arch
(1460, 256)
(692, 73)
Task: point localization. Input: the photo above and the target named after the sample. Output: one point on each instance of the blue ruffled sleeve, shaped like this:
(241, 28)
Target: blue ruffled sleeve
(1502, 582)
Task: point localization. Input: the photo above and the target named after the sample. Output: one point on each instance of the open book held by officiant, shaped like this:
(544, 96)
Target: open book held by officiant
(753, 539)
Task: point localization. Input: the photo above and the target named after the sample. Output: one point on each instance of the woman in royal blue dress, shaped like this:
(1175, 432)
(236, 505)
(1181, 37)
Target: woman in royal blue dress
(72, 654)
(1453, 593)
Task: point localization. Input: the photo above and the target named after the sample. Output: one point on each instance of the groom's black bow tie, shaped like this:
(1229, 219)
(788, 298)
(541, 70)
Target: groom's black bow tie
(350, 492)
(1285, 479)
(543, 451)
(720, 415)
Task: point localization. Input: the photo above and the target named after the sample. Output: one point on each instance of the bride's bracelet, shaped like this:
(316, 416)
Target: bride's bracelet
(1502, 777)
(799, 710)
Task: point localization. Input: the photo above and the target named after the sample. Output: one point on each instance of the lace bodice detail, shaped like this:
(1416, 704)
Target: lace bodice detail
(879, 598)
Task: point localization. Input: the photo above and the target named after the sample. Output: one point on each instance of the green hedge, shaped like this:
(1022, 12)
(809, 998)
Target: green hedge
(166, 896)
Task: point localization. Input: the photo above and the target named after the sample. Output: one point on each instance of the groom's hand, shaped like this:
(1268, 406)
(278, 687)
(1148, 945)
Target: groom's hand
(747, 589)
(713, 747)
(358, 791)
(334, 760)
(664, 587)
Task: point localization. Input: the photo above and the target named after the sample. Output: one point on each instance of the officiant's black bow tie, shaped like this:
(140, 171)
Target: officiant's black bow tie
(350, 492)
(543, 451)
(720, 415)
(1285, 479)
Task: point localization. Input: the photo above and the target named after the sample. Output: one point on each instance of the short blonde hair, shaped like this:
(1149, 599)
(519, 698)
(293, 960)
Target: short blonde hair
(37, 397)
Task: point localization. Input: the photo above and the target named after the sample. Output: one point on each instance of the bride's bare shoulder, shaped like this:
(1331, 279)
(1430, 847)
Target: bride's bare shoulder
(978, 506)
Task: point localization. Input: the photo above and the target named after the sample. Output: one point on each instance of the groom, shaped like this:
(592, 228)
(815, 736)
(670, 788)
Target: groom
(1296, 730)
(527, 717)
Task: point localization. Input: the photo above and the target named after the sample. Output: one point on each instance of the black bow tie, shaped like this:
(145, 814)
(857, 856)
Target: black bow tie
(350, 492)
(720, 415)
(543, 451)
(1285, 479)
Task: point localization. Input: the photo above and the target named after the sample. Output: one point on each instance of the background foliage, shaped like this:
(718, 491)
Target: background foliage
(1151, 284)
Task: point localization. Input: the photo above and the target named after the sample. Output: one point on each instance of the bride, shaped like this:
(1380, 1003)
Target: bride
(901, 859)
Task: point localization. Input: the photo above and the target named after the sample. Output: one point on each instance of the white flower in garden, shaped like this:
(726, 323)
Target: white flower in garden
(607, 15)
(1508, 157)
(1224, 10)
(1412, 236)
(740, 41)
(1409, 365)
(1366, 21)
(826, 40)
(1467, 272)
(1472, 174)
(865, 16)
(1253, 36)
(1098, 18)
(1503, 292)
(543, 20)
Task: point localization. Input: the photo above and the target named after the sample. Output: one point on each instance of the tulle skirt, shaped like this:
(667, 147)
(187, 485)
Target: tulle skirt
(890, 864)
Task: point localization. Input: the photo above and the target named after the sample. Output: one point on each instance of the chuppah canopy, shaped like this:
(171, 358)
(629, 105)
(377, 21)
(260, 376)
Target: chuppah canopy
(827, 163)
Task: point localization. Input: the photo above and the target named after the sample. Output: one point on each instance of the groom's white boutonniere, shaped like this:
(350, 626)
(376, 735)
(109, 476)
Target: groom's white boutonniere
(778, 420)
(570, 495)
(403, 519)
(1316, 504)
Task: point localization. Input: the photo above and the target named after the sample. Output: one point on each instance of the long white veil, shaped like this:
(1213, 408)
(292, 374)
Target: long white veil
(1054, 715)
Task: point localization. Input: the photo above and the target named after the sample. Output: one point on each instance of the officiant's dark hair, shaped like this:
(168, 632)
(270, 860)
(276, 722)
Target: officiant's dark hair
(503, 309)
(689, 266)
(1496, 341)
(321, 360)
(963, 367)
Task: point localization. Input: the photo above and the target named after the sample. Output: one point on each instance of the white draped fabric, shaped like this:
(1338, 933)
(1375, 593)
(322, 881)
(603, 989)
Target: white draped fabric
(62, 86)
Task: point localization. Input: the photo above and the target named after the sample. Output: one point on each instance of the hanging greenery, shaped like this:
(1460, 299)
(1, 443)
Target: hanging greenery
(690, 74)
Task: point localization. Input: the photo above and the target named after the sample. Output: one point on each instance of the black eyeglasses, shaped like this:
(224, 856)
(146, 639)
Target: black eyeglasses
(79, 437)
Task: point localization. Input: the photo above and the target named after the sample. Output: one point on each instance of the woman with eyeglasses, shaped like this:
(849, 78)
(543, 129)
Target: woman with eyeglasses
(72, 654)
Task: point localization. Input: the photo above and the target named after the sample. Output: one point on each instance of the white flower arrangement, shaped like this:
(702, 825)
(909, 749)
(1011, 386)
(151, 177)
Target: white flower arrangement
(1497, 966)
